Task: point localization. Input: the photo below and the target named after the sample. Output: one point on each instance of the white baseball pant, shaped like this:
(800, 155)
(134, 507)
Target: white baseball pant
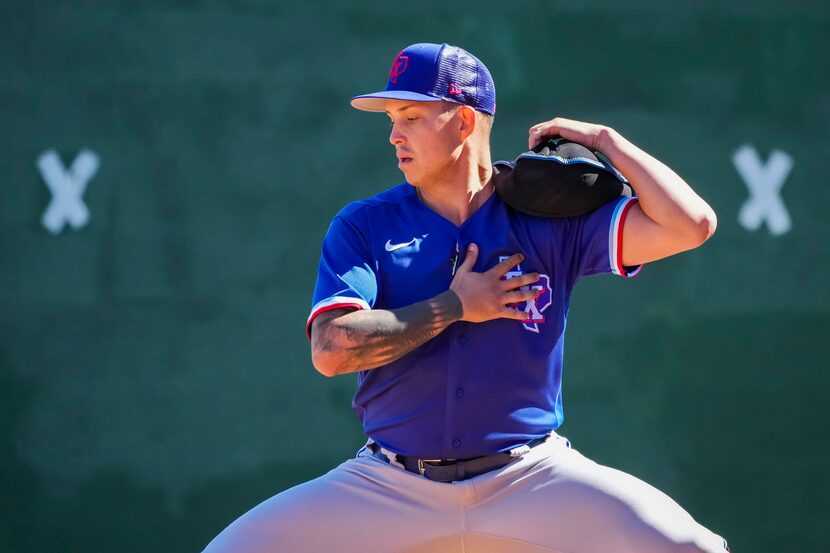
(552, 499)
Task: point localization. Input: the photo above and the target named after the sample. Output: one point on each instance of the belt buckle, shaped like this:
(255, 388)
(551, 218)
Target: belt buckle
(422, 461)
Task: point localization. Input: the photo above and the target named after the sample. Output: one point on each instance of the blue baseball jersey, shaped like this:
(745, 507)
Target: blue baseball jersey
(476, 388)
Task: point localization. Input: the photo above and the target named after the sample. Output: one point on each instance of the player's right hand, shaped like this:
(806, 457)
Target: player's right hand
(485, 296)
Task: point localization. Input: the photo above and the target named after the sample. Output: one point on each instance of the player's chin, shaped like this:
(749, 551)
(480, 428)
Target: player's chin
(412, 177)
(406, 166)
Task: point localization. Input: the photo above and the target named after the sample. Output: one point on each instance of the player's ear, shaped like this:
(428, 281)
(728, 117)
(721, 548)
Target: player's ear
(467, 121)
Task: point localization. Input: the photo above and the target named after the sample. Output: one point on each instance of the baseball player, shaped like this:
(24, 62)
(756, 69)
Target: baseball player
(451, 308)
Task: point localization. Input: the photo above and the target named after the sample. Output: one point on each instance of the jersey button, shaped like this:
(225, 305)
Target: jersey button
(462, 339)
(459, 392)
(456, 443)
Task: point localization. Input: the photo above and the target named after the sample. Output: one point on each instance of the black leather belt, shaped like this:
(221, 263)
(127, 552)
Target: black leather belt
(441, 470)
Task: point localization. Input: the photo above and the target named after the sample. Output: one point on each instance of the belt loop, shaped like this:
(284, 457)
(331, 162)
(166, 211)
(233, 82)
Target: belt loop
(519, 451)
(392, 458)
(525, 448)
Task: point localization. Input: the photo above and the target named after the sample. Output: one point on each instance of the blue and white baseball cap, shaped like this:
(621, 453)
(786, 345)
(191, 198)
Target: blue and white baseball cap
(433, 72)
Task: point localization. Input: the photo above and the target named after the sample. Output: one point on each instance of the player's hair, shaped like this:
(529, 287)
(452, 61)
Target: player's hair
(485, 122)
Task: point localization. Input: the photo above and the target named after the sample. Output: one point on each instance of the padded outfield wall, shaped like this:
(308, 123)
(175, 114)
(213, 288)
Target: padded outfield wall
(155, 379)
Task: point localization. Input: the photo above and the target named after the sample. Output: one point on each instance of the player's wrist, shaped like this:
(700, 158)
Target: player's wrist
(608, 141)
(451, 301)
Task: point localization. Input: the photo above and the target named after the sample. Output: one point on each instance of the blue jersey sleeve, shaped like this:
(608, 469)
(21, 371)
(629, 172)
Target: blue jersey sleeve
(346, 276)
(592, 243)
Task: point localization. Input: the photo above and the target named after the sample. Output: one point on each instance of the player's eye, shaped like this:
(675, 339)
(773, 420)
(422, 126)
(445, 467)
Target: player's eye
(409, 119)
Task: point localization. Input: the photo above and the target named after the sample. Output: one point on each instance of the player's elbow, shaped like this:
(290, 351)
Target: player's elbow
(327, 354)
(705, 226)
(324, 363)
(696, 228)
(690, 234)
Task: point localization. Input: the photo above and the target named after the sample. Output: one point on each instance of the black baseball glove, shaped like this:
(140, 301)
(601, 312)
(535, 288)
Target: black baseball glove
(558, 178)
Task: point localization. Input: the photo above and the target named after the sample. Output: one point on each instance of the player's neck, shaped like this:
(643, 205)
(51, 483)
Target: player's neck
(461, 192)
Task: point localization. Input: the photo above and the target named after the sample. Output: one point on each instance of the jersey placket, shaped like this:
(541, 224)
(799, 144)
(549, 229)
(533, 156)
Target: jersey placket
(456, 436)
(458, 423)
(455, 413)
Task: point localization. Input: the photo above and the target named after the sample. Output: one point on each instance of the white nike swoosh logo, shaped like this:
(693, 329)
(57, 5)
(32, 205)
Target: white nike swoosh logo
(390, 247)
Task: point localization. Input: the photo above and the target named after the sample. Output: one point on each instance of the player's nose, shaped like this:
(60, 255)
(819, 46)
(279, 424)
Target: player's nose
(396, 136)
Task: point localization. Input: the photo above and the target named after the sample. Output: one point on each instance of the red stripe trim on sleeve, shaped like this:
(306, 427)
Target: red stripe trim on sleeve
(620, 268)
(328, 308)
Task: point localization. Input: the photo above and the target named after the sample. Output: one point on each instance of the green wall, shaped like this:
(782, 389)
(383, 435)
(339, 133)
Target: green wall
(155, 380)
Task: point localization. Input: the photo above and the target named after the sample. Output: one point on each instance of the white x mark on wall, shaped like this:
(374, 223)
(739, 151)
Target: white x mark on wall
(67, 187)
(764, 182)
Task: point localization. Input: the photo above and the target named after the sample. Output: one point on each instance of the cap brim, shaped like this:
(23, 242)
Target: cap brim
(377, 100)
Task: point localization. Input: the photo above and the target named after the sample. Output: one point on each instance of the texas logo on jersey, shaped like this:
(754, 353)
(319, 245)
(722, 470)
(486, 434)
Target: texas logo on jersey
(535, 307)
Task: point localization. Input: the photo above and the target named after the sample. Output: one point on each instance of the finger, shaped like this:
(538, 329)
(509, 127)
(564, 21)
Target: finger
(515, 314)
(520, 296)
(535, 128)
(540, 131)
(503, 266)
(536, 134)
(543, 127)
(518, 282)
(470, 259)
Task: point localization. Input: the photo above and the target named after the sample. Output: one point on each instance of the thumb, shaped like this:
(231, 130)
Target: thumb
(470, 260)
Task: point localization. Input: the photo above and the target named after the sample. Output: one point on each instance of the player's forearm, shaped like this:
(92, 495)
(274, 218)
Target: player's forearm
(362, 340)
(664, 197)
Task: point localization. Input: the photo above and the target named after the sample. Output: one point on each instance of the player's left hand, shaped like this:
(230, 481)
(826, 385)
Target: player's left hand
(590, 135)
